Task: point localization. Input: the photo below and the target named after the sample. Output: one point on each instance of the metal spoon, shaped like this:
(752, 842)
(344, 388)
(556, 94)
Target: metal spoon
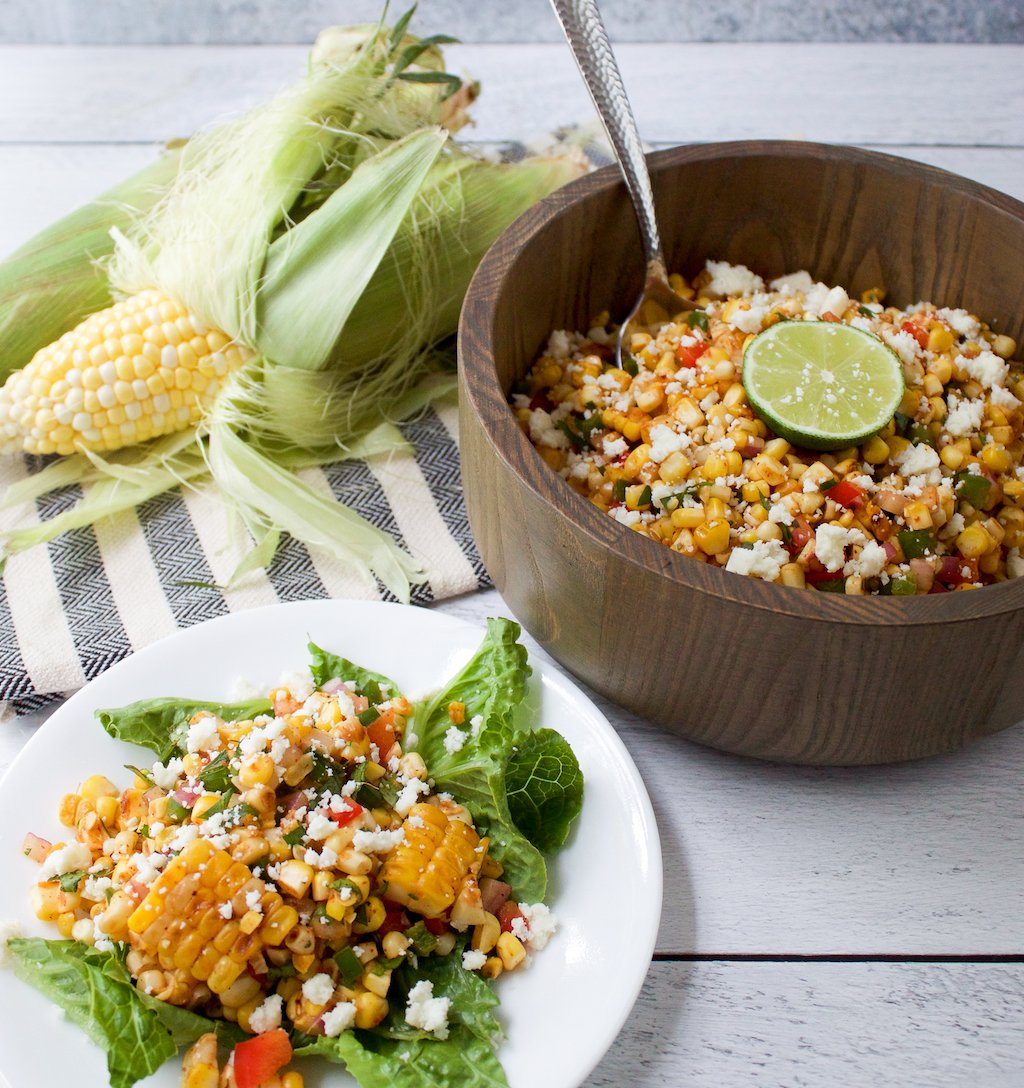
(588, 40)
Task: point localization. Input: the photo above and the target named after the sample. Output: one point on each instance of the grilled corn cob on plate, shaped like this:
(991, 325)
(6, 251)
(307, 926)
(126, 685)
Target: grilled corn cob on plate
(559, 1012)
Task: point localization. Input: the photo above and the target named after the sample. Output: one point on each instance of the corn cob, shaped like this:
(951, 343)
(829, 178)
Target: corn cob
(182, 921)
(427, 871)
(142, 368)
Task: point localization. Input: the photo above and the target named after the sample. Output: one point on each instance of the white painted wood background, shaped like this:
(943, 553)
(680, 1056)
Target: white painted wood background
(853, 928)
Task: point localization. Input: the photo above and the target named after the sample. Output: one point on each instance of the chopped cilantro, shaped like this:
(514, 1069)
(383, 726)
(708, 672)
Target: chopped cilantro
(629, 364)
(423, 941)
(216, 775)
(295, 836)
(697, 319)
(827, 485)
(619, 491)
(865, 312)
(645, 497)
(219, 806)
(139, 773)
(349, 965)
(578, 441)
(69, 881)
(176, 810)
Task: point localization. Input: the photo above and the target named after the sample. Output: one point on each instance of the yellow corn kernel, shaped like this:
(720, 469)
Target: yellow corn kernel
(918, 516)
(754, 490)
(258, 771)
(767, 468)
(371, 1009)
(712, 537)
(636, 492)
(777, 448)
(375, 913)
(874, 295)
(292, 1080)
(996, 456)
(98, 786)
(675, 468)
(688, 413)
(793, 575)
(492, 967)
(635, 461)
(974, 542)
(486, 934)
(951, 457)
(940, 339)
(1004, 346)
(688, 517)
(714, 510)
(511, 951)
(875, 451)
(294, 878)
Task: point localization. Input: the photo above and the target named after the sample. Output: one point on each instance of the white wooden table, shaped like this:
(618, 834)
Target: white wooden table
(821, 927)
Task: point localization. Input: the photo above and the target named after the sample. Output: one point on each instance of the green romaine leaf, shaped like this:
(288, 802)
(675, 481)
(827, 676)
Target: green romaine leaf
(95, 990)
(491, 686)
(397, 1055)
(162, 724)
(544, 788)
(373, 685)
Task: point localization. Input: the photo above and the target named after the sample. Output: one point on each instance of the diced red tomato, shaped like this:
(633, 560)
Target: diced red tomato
(351, 810)
(437, 926)
(602, 351)
(382, 733)
(799, 536)
(394, 920)
(916, 331)
(688, 354)
(508, 913)
(286, 705)
(814, 571)
(955, 570)
(540, 400)
(32, 846)
(828, 315)
(846, 493)
(258, 1059)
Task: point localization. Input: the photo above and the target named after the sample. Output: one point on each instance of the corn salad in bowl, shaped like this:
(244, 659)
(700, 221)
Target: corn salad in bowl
(670, 446)
(289, 875)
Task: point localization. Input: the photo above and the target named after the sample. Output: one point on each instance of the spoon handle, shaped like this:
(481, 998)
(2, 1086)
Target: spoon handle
(588, 40)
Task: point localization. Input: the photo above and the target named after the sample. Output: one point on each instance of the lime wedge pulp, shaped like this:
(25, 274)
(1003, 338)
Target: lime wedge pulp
(822, 384)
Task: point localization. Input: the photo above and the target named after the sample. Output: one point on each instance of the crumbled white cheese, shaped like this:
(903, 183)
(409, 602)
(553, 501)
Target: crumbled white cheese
(266, 1017)
(544, 432)
(903, 343)
(454, 740)
(319, 989)
(764, 560)
(964, 416)
(870, 562)
(559, 345)
(67, 859)
(960, 321)
(538, 923)
(299, 682)
(339, 1019)
(377, 842)
(319, 827)
(1014, 567)
(226, 910)
(324, 860)
(987, 369)
(956, 524)
(202, 735)
(920, 460)
(165, 775)
(780, 514)
(253, 900)
(830, 542)
(96, 888)
(1003, 398)
(409, 795)
(822, 299)
(664, 440)
(473, 960)
(749, 321)
(426, 1012)
(732, 279)
(795, 281)
(8, 931)
(626, 517)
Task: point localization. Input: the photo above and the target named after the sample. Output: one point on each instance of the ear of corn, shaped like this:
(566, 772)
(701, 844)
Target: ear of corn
(427, 871)
(325, 240)
(52, 282)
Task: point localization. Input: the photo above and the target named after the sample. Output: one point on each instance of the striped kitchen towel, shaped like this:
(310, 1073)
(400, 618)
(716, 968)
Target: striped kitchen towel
(74, 607)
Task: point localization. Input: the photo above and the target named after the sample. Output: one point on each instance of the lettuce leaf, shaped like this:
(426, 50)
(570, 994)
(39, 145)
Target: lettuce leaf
(397, 1055)
(544, 788)
(325, 666)
(492, 685)
(161, 724)
(95, 990)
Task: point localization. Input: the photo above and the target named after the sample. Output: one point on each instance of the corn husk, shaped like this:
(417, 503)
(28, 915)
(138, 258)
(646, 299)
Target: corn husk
(333, 232)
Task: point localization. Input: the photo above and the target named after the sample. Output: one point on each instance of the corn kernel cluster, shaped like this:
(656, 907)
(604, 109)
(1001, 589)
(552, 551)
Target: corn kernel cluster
(280, 870)
(142, 368)
(669, 446)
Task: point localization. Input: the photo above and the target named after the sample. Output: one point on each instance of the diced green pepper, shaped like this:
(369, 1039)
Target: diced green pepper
(917, 542)
(973, 488)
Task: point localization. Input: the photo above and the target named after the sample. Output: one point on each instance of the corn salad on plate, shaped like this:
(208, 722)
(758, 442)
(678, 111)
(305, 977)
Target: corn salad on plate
(338, 865)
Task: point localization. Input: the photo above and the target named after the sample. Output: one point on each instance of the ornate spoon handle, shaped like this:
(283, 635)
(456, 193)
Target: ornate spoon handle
(588, 40)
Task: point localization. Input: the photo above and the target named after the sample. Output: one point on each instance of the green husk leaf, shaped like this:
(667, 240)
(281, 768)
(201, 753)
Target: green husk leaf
(268, 495)
(52, 282)
(311, 285)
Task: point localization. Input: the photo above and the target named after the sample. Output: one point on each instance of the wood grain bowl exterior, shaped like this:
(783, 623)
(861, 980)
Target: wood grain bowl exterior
(732, 662)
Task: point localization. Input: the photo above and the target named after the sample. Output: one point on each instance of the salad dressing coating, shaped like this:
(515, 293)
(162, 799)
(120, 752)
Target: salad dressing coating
(670, 447)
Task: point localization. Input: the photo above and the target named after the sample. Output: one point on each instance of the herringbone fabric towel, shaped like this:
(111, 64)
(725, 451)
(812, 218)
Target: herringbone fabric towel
(71, 609)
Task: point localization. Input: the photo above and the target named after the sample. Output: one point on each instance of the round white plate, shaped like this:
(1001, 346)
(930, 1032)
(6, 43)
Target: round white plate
(561, 1014)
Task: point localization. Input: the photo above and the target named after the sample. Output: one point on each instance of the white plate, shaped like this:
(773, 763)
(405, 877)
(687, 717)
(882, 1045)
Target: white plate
(561, 1013)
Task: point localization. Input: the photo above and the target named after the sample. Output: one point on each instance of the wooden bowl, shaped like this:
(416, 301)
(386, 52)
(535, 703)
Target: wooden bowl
(733, 662)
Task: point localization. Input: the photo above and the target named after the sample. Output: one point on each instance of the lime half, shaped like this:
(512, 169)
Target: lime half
(822, 384)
